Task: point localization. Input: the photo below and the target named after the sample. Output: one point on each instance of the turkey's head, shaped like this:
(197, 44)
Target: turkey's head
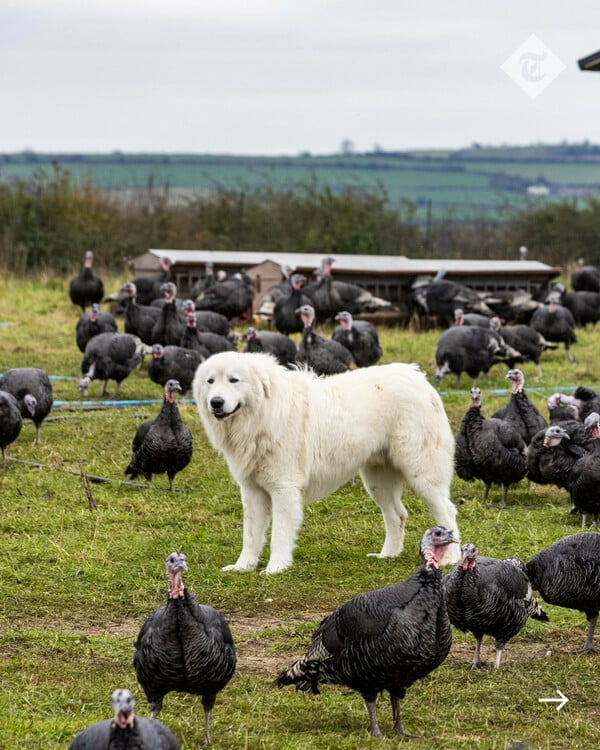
(469, 556)
(170, 387)
(553, 436)
(307, 314)
(433, 545)
(170, 291)
(122, 705)
(158, 351)
(30, 402)
(475, 397)
(592, 423)
(176, 563)
(345, 319)
(517, 380)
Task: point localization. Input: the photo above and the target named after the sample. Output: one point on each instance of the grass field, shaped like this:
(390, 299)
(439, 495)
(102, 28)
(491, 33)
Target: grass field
(457, 183)
(76, 583)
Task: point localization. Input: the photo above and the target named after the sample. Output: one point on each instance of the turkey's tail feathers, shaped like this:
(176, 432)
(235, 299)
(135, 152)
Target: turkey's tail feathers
(537, 613)
(299, 675)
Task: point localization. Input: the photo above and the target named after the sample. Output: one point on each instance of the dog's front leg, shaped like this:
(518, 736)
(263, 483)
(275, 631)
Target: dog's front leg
(257, 514)
(287, 507)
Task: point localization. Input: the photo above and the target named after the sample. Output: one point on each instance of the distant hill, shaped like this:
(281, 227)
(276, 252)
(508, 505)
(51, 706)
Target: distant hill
(425, 184)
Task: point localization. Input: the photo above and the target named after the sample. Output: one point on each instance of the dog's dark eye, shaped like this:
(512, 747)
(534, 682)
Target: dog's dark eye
(233, 380)
(210, 381)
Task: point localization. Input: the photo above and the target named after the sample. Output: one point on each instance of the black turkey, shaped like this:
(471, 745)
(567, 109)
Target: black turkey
(352, 297)
(323, 356)
(125, 731)
(285, 316)
(585, 278)
(520, 411)
(174, 363)
(584, 479)
(470, 319)
(487, 596)
(204, 283)
(443, 296)
(92, 323)
(110, 356)
(184, 646)
(525, 340)
(587, 400)
(139, 319)
(214, 322)
(555, 323)
(86, 288)
(469, 349)
(584, 306)
(203, 340)
(324, 297)
(10, 422)
(231, 297)
(489, 449)
(189, 338)
(148, 288)
(33, 390)
(385, 639)
(513, 306)
(269, 342)
(567, 574)
(562, 407)
(273, 293)
(360, 338)
(163, 444)
(554, 451)
(170, 325)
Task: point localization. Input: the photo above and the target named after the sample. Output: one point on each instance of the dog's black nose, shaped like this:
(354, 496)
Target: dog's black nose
(217, 403)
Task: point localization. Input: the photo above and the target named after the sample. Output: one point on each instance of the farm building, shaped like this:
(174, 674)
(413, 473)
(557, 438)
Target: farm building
(387, 276)
(590, 62)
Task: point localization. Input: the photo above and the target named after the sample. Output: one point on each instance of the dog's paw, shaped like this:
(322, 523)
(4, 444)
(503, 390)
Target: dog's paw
(240, 568)
(275, 567)
(381, 555)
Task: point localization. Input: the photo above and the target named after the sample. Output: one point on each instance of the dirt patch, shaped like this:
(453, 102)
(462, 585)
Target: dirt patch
(253, 648)
(250, 634)
(254, 644)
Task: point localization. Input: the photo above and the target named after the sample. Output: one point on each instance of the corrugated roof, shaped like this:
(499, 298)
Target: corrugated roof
(358, 263)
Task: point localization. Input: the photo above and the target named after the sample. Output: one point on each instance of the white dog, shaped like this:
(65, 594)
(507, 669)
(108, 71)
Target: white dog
(290, 438)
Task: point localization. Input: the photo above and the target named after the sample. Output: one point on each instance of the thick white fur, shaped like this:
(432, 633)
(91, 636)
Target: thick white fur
(291, 438)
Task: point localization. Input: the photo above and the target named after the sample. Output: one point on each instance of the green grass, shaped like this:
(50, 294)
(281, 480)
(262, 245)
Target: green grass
(76, 583)
(457, 182)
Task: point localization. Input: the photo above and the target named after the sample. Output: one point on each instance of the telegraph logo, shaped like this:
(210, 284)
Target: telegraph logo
(533, 66)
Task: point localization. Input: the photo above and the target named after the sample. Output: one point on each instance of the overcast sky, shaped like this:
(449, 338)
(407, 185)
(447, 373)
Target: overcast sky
(285, 76)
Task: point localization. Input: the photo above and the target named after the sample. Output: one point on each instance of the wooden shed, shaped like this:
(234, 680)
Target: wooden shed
(387, 276)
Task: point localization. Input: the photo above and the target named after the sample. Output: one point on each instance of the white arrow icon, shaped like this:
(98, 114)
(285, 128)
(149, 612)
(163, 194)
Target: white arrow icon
(561, 701)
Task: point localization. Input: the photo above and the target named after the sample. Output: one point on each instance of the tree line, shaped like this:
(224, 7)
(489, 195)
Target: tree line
(48, 222)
